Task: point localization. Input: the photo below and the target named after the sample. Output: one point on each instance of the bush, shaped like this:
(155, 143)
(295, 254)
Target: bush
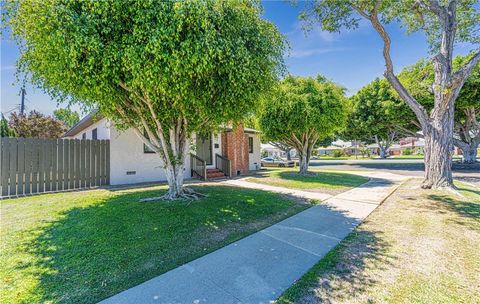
(407, 152)
(337, 153)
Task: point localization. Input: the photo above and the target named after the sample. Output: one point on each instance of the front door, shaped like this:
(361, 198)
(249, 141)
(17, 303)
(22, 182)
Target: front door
(204, 148)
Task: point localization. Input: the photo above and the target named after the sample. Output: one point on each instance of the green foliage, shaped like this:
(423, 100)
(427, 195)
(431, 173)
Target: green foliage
(418, 79)
(333, 15)
(338, 153)
(202, 61)
(5, 130)
(36, 125)
(407, 152)
(303, 105)
(67, 116)
(378, 111)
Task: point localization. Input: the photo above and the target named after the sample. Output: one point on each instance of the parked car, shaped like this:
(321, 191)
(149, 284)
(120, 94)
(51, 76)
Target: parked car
(276, 162)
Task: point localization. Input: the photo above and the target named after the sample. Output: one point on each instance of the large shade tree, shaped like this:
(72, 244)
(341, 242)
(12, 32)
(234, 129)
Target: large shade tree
(301, 112)
(379, 116)
(445, 23)
(166, 69)
(466, 132)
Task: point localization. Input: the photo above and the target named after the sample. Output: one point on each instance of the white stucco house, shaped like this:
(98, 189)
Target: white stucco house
(133, 162)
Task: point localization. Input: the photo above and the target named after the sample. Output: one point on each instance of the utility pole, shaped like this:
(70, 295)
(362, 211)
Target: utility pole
(22, 103)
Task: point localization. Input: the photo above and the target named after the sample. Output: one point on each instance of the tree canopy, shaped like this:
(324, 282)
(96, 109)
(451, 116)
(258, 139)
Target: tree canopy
(302, 111)
(165, 68)
(418, 78)
(378, 115)
(67, 116)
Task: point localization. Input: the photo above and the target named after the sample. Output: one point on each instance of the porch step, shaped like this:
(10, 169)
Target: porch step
(214, 173)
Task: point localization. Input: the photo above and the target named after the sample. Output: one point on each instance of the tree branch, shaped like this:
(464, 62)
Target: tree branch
(417, 108)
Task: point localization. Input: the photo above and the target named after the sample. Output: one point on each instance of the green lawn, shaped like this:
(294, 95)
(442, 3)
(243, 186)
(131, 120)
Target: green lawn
(81, 247)
(318, 181)
(418, 247)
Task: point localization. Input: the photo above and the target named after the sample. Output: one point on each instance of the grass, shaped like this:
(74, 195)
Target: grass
(81, 247)
(418, 247)
(317, 181)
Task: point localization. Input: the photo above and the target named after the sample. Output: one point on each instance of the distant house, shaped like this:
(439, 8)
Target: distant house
(327, 151)
(269, 150)
(415, 145)
(131, 161)
(394, 149)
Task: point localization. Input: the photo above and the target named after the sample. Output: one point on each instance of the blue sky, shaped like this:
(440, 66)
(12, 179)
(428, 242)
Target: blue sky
(351, 58)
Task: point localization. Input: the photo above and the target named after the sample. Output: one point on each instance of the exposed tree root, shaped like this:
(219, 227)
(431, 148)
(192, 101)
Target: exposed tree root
(186, 194)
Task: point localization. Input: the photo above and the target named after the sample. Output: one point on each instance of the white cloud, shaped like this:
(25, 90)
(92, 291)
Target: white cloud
(8, 68)
(300, 53)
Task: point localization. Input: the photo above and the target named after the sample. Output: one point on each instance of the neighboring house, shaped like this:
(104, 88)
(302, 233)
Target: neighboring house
(413, 144)
(131, 161)
(394, 149)
(269, 150)
(325, 151)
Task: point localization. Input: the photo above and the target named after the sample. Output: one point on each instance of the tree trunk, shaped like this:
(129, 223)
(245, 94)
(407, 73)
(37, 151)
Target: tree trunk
(470, 153)
(383, 152)
(438, 152)
(175, 179)
(304, 157)
(289, 156)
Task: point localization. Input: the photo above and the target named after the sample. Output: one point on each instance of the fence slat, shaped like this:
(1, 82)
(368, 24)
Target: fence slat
(20, 165)
(66, 164)
(88, 158)
(5, 165)
(13, 167)
(41, 166)
(71, 165)
(35, 164)
(48, 165)
(82, 163)
(107, 163)
(54, 143)
(77, 164)
(97, 163)
(60, 177)
(100, 167)
(28, 166)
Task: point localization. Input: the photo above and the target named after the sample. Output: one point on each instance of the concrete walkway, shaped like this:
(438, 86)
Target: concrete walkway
(260, 267)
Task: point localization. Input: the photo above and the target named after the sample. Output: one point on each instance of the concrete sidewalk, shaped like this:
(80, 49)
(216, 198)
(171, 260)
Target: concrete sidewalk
(258, 268)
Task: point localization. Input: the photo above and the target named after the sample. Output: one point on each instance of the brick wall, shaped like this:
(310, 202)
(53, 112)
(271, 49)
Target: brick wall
(235, 148)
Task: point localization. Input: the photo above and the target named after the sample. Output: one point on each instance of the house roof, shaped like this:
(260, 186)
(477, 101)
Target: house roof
(86, 122)
(95, 116)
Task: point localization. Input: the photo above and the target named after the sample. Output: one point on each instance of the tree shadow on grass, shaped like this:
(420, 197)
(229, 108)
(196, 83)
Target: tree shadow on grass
(94, 252)
(467, 210)
(341, 274)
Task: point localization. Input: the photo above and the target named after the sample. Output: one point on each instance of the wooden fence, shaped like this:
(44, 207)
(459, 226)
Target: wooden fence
(30, 165)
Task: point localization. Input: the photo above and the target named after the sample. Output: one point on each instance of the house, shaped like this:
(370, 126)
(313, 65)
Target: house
(394, 149)
(416, 146)
(269, 150)
(131, 161)
(327, 151)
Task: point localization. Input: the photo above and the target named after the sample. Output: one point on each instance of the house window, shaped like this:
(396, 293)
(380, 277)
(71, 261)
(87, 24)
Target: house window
(250, 144)
(94, 133)
(147, 149)
(84, 135)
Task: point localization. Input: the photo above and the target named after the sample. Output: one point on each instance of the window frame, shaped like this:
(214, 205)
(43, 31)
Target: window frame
(250, 144)
(95, 133)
